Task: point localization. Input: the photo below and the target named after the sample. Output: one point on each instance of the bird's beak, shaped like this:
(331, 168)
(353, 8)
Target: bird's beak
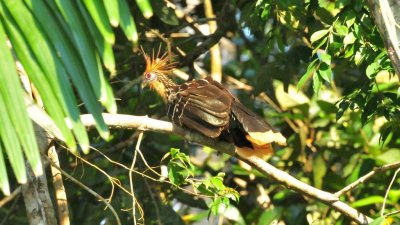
(145, 83)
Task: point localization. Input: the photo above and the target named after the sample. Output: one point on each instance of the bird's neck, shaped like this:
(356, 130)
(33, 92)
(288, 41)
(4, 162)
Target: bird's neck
(164, 87)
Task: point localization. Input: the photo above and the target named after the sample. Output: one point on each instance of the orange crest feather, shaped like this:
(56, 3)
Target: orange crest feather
(158, 64)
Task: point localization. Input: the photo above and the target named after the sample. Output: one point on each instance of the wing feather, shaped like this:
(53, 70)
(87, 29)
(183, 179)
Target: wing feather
(259, 131)
(200, 106)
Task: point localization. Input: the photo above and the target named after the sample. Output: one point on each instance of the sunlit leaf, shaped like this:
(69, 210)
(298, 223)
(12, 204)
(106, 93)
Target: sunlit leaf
(43, 72)
(75, 68)
(4, 184)
(145, 7)
(318, 35)
(375, 199)
(99, 15)
(127, 23)
(319, 170)
(378, 221)
(13, 108)
(390, 156)
(341, 29)
(103, 47)
(311, 69)
(112, 10)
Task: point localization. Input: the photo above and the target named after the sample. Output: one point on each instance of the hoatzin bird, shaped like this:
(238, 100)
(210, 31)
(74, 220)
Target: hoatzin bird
(208, 107)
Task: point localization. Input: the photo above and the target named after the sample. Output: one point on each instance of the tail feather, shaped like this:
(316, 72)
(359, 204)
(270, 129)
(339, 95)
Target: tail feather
(259, 151)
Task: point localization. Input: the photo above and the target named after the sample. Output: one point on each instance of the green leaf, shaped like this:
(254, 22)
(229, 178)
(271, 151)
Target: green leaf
(217, 183)
(219, 205)
(318, 35)
(318, 47)
(179, 167)
(378, 221)
(370, 200)
(44, 73)
(204, 189)
(372, 70)
(75, 68)
(176, 174)
(343, 106)
(349, 39)
(127, 22)
(316, 83)
(311, 69)
(12, 101)
(269, 216)
(325, 57)
(390, 156)
(90, 58)
(359, 56)
(60, 79)
(325, 72)
(4, 184)
(112, 10)
(341, 30)
(99, 15)
(145, 8)
(103, 47)
(11, 143)
(349, 52)
(319, 170)
(165, 13)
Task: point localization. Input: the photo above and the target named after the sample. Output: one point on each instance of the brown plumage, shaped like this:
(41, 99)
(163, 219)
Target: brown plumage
(208, 107)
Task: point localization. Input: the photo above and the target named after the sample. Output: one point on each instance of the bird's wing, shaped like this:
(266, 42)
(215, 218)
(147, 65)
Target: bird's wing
(201, 106)
(258, 131)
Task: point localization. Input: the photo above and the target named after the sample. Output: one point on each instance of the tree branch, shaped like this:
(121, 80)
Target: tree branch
(145, 123)
(386, 14)
(367, 176)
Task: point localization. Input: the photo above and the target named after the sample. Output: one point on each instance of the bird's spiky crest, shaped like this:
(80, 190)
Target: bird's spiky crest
(158, 64)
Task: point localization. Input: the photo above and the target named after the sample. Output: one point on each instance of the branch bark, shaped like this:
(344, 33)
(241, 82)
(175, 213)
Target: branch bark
(38, 204)
(386, 14)
(147, 124)
(59, 190)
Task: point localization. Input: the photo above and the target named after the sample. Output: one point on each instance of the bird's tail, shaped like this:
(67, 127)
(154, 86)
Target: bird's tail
(261, 151)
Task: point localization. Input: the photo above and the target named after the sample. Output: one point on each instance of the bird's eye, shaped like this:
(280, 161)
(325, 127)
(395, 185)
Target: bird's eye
(150, 76)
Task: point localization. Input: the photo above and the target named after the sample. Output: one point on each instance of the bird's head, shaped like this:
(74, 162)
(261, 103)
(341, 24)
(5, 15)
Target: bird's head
(158, 67)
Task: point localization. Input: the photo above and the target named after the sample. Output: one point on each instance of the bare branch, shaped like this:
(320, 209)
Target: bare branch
(366, 177)
(387, 18)
(146, 123)
(14, 194)
(134, 200)
(61, 196)
(387, 191)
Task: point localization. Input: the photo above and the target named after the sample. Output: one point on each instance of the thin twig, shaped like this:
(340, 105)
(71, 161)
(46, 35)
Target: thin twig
(392, 213)
(114, 181)
(87, 189)
(387, 191)
(134, 201)
(14, 204)
(149, 177)
(14, 194)
(366, 177)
